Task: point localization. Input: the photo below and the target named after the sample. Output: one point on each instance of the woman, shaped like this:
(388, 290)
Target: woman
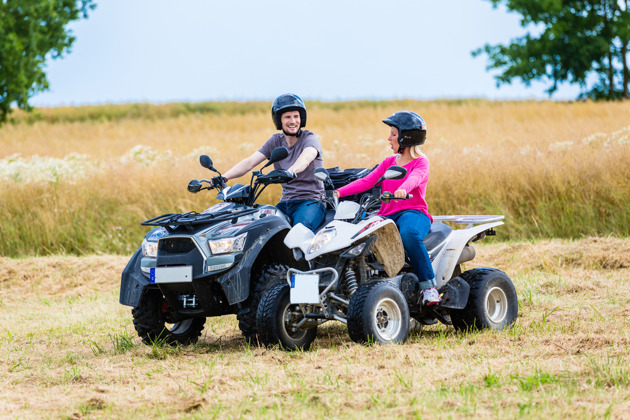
(407, 133)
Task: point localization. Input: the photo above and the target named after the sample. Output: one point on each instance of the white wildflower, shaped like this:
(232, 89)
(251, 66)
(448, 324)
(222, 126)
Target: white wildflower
(145, 156)
(561, 146)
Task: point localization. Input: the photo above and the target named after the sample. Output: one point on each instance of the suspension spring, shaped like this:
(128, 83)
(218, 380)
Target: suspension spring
(351, 282)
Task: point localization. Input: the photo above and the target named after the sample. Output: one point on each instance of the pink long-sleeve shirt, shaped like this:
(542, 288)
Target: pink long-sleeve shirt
(415, 183)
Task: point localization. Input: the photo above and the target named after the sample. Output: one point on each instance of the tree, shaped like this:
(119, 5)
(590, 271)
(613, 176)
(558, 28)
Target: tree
(579, 39)
(30, 32)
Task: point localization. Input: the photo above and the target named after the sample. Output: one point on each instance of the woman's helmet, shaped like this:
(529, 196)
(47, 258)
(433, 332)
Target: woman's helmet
(412, 130)
(285, 103)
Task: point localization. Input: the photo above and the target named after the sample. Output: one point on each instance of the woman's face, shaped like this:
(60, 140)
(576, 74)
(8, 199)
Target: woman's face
(393, 139)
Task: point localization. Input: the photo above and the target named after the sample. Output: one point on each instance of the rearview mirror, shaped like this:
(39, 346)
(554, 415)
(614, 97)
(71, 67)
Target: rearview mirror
(206, 162)
(321, 174)
(395, 172)
(277, 154)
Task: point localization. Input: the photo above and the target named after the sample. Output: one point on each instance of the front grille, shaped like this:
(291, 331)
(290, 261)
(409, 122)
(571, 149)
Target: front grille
(180, 251)
(175, 246)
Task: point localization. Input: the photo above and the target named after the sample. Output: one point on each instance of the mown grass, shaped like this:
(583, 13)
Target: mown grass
(78, 180)
(70, 350)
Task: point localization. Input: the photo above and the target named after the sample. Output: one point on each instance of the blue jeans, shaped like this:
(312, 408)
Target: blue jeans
(310, 213)
(413, 226)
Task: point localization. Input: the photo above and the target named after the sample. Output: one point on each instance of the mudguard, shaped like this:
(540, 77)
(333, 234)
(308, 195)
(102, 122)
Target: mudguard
(235, 283)
(448, 256)
(132, 281)
(454, 294)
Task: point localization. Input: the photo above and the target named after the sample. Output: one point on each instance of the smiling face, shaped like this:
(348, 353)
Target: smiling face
(290, 122)
(393, 139)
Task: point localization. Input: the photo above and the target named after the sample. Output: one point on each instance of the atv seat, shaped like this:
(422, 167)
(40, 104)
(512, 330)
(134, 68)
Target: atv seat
(435, 239)
(328, 217)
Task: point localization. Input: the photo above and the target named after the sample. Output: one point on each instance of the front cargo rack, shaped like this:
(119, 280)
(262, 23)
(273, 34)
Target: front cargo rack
(171, 221)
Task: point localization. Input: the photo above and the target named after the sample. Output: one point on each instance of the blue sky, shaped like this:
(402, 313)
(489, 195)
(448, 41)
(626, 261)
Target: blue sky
(193, 50)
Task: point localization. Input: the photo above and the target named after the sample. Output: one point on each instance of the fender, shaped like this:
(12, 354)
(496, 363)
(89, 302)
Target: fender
(235, 283)
(132, 281)
(446, 260)
(347, 234)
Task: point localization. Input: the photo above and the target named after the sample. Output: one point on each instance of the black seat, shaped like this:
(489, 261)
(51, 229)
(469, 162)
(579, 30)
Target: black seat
(436, 236)
(329, 217)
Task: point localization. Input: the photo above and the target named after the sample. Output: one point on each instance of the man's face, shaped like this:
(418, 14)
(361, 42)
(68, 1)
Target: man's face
(290, 122)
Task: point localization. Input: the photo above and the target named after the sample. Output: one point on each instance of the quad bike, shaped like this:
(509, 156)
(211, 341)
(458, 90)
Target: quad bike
(359, 275)
(196, 265)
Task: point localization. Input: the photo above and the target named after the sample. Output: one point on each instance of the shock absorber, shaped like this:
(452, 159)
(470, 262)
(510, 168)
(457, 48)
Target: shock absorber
(350, 282)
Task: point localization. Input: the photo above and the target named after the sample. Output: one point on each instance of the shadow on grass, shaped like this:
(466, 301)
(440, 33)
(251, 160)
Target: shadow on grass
(329, 336)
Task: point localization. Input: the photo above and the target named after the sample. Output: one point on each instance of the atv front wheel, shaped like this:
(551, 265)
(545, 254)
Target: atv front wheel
(492, 302)
(378, 313)
(270, 276)
(277, 318)
(148, 319)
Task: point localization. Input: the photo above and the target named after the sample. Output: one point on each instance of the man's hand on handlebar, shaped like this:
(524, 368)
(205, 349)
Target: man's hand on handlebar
(219, 181)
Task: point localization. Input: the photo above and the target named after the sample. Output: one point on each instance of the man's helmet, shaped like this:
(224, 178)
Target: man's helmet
(285, 103)
(412, 130)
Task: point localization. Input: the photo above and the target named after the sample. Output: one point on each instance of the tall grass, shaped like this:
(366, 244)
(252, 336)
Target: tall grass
(79, 180)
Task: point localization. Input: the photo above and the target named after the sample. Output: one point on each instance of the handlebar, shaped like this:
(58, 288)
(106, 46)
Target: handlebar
(387, 196)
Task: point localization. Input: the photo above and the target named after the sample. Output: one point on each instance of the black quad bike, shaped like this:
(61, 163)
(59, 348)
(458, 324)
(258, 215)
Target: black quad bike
(196, 265)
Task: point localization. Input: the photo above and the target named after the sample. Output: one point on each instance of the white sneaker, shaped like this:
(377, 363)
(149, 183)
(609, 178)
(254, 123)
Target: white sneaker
(431, 297)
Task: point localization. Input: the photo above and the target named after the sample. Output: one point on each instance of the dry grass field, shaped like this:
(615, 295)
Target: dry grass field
(69, 350)
(76, 182)
(79, 180)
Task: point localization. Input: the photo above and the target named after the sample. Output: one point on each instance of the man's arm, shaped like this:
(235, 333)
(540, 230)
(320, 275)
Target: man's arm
(305, 158)
(245, 165)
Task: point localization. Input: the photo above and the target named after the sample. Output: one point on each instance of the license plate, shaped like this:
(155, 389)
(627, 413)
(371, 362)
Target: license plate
(304, 288)
(171, 274)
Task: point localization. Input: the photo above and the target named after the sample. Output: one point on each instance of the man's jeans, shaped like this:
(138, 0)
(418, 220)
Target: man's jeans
(310, 213)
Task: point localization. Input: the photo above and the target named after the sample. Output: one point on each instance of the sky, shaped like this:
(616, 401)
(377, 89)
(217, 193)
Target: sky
(163, 51)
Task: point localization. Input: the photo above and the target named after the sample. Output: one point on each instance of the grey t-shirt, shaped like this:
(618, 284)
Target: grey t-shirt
(305, 186)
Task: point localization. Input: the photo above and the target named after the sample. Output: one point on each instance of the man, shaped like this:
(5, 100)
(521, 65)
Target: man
(300, 196)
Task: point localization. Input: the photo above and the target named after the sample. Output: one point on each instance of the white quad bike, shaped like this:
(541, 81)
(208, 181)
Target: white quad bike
(359, 275)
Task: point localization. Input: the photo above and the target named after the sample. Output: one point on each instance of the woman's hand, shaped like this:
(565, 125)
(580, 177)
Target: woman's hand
(400, 193)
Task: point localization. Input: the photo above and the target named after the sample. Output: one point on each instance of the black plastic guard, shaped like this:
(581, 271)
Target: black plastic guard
(454, 294)
(235, 283)
(132, 281)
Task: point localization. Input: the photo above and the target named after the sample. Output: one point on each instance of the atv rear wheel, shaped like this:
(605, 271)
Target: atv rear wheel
(150, 323)
(492, 302)
(277, 318)
(270, 276)
(378, 313)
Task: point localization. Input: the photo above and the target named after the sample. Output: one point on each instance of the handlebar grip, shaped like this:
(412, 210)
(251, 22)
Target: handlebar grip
(390, 196)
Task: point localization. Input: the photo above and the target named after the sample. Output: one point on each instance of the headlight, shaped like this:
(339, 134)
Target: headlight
(149, 248)
(321, 239)
(227, 245)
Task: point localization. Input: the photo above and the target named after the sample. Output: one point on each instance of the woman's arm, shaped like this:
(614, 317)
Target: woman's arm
(366, 182)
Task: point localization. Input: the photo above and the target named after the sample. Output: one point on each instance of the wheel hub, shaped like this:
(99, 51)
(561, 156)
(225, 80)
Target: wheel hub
(496, 305)
(388, 319)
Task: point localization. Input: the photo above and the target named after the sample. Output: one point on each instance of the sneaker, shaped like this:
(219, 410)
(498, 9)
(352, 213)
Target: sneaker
(431, 297)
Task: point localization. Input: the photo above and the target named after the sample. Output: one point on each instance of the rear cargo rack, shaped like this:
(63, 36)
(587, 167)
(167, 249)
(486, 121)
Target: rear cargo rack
(469, 219)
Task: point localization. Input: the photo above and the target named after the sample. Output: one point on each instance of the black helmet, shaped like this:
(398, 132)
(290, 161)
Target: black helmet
(285, 103)
(412, 130)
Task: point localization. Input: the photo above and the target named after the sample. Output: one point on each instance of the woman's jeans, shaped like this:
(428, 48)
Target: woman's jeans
(310, 213)
(413, 226)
